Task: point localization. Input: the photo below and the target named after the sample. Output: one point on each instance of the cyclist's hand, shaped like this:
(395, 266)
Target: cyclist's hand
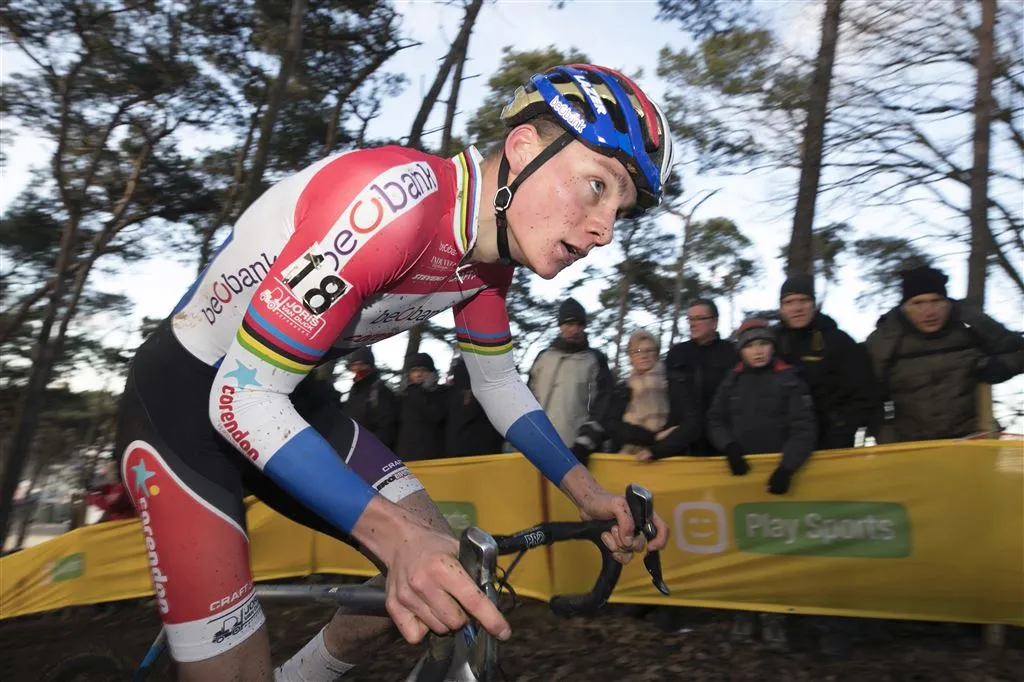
(621, 539)
(427, 588)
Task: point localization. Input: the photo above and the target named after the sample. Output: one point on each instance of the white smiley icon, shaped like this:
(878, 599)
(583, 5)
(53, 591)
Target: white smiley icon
(700, 527)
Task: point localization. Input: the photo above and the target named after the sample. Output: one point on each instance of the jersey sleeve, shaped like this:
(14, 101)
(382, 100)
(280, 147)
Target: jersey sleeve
(356, 230)
(482, 330)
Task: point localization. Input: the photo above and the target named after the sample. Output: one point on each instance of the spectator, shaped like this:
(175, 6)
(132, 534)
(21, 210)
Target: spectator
(371, 403)
(572, 383)
(762, 406)
(836, 368)
(929, 354)
(639, 410)
(421, 426)
(695, 370)
(112, 499)
(468, 429)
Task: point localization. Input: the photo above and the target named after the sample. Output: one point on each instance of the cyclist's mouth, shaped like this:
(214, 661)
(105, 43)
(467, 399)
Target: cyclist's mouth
(572, 254)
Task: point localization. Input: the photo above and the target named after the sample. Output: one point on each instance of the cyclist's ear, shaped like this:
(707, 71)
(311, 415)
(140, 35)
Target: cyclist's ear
(522, 144)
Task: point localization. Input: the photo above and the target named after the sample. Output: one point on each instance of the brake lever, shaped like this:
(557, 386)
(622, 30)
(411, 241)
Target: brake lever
(641, 506)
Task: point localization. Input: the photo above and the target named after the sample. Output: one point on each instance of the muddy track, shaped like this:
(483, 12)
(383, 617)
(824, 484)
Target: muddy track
(615, 646)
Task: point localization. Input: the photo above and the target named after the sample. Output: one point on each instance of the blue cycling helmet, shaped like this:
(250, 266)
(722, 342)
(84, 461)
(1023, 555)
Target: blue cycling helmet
(604, 110)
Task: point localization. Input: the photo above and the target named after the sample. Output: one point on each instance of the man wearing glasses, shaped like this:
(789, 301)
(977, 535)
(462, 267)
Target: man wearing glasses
(695, 369)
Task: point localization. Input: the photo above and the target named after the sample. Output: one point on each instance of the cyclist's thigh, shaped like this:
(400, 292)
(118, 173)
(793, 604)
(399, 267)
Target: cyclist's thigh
(362, 452)
(189, 498)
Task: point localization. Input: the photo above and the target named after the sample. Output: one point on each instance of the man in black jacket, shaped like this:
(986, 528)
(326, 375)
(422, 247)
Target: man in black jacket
(694, 369)
(468, 429)
(424, 409)
(836, 368)
(370, 403)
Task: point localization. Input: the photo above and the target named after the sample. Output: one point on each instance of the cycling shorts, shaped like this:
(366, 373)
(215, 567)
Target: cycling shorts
(189, 484)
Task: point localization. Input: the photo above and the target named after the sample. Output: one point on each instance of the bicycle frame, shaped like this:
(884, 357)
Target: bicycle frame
(478, 553)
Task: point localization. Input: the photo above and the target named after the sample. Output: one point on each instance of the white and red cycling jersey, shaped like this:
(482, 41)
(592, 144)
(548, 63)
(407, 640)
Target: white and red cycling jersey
(356, 248)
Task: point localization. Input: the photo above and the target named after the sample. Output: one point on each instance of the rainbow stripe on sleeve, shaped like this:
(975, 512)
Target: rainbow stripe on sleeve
(483, 344)
(262, 339)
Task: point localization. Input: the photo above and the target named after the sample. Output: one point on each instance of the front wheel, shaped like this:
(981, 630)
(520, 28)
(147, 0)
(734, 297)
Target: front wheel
(89, 667)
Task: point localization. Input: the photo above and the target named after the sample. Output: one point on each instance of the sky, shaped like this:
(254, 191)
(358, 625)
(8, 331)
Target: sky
(618, 33)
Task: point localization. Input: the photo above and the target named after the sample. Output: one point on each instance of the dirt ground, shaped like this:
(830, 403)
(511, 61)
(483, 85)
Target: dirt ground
(617, 645)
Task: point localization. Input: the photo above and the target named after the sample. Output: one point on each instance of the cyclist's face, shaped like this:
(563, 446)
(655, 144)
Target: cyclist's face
(567, 206)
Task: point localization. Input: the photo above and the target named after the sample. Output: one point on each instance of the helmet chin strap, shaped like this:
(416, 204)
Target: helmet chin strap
(503, 197)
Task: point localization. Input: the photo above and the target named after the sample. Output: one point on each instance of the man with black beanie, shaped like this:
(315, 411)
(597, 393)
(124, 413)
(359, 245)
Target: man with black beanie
(421, 427)
(572, 383)
(370, 402)
(837, 368)
(929, 354)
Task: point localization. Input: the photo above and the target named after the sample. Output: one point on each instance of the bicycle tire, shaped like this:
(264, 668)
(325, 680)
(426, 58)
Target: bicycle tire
(89, 667)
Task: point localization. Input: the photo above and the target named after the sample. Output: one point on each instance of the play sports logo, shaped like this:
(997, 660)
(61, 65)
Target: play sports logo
(863, 529)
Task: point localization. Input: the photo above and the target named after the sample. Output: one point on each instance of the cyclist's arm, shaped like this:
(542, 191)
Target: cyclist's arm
(481, 327)
(281, 338)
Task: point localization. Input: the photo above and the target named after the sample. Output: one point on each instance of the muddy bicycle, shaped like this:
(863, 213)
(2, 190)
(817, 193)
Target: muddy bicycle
(470, 654)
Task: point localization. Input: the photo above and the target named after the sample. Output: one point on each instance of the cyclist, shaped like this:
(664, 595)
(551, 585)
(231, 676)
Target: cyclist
(356, 248)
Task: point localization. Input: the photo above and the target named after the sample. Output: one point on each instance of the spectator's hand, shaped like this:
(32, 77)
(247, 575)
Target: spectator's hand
(778, 483)
(991, 370)
(644, 455)
(662, 435)
(734, 456)
(581, 452)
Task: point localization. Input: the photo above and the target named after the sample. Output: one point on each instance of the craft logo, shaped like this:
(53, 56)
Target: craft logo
(230, 599)
(236, 621)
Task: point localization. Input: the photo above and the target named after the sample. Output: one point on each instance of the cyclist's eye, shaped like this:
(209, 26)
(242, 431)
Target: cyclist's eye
(598, 187)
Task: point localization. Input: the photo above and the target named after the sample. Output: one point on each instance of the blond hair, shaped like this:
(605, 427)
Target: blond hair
(642, 335)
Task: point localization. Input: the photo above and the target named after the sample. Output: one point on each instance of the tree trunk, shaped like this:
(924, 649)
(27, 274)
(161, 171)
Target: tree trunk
(457, 57)
(620, 323)
(334, 124)
(30, 405)
(459, 46)
(29, 508)
(289, 60)
(206, 246)
(977, 262)
(452, 105)
(47, 351)
(801, 254)
(677, 295)
(977, 268)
